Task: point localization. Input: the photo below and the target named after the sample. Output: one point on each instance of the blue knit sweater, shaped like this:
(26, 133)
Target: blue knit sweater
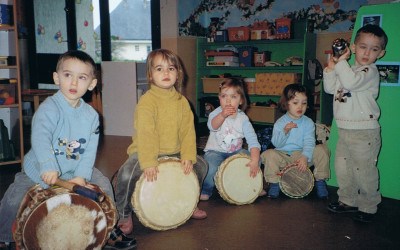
(64, 139)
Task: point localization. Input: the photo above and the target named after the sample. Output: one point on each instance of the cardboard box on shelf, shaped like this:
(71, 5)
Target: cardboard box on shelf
(274, 83)
(211, 85)
(263, 114)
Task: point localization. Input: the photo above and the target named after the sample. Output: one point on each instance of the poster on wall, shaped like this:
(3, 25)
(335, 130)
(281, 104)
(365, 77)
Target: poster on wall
(371, 19)
(389, 73)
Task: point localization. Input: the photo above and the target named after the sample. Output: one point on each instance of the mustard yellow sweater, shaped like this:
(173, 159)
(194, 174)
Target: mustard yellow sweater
(164, 125)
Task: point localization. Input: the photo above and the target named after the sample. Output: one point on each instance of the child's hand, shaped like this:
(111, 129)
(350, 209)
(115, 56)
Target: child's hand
(187, 166)
(49, 177)
(228, 111)
(302, 163)
(345, 56)
(331, 64)
(254, 168)
(151, 173)
(79, 180)
(289, 126)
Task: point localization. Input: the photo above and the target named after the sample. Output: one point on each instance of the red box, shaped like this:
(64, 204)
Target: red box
(283, 28)
(239, 33)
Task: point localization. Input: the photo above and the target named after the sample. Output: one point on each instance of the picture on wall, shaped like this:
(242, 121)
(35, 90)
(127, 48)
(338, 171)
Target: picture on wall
(371, 19)
(389, 73)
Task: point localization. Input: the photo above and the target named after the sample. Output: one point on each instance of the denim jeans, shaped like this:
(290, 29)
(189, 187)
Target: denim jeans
(214, 160)
(16, 192)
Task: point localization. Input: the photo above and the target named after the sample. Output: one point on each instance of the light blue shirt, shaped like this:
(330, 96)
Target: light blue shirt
(64, 139)
(301, 138)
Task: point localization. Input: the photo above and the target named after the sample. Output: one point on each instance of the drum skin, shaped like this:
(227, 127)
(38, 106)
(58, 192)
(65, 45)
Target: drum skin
(169, 201)
(234, 183)
(39, 203)
(294, 183)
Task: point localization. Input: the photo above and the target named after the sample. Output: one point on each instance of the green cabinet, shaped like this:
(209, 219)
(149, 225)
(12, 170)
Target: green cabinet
(302, 44)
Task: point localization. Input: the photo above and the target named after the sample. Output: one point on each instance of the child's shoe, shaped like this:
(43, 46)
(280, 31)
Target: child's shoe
(273, 191)
(322, 192)
(204, 197)
(199, 214)
(262, 193)
(118, 240)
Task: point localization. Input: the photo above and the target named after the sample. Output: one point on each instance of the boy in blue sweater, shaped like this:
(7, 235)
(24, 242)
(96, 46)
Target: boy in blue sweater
(65, 133)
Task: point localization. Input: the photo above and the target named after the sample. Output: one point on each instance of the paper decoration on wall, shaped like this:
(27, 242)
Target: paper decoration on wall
(95, 36)
(81, 44)
(91, 7)
(78, 1)
(40, 30)
(86, 23)
(58, 37)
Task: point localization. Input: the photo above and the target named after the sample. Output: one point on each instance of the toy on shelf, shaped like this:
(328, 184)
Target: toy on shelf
(283, 28)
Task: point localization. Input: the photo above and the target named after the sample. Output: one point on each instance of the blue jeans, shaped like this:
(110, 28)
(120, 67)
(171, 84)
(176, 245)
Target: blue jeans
(214, 160)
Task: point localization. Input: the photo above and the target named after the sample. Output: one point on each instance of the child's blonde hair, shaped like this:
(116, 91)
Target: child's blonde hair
(238, 85)
(170, 57)
(288, 93)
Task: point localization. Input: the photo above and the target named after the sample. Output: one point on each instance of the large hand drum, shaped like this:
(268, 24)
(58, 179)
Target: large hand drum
(56, 218)
(234, 183)
(169, 201)
(294, 183)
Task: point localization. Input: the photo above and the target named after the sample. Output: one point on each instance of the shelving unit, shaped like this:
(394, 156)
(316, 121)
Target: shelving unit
(12, 114)
(302, 44)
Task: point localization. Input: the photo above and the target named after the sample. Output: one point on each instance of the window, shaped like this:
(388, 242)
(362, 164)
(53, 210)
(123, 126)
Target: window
(108, 30)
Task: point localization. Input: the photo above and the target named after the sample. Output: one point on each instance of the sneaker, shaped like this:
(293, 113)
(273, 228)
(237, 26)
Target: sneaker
(118, 240)
(199, 214)
(322, 192)
(273, 191)
(126, 225)
(204, 197)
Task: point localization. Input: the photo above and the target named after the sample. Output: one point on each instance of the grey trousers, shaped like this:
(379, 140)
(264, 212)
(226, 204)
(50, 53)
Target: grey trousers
(356, 157)
(274, 161)
(129, 174)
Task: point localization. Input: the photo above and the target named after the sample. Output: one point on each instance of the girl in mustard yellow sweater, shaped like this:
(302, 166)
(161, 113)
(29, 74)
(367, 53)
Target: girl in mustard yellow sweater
(164, 127)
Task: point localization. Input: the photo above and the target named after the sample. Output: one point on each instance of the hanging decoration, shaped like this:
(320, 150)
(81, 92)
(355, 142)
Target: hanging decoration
(40, 30)
(58, 37)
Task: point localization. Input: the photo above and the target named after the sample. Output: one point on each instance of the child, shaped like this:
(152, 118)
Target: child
(228, 126)
(164, 127)
(293, 136)
(62, 122)
(355, 89)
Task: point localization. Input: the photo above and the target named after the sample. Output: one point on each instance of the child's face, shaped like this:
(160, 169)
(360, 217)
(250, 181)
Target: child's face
(74, 78)
(229, 96)
(297, 106)
(163, 73)
(367, 49)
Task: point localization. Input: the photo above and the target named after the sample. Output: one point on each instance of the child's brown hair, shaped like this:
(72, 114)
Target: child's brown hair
(288, 93)
(238, 85)
(79, 55)
(170, 57)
